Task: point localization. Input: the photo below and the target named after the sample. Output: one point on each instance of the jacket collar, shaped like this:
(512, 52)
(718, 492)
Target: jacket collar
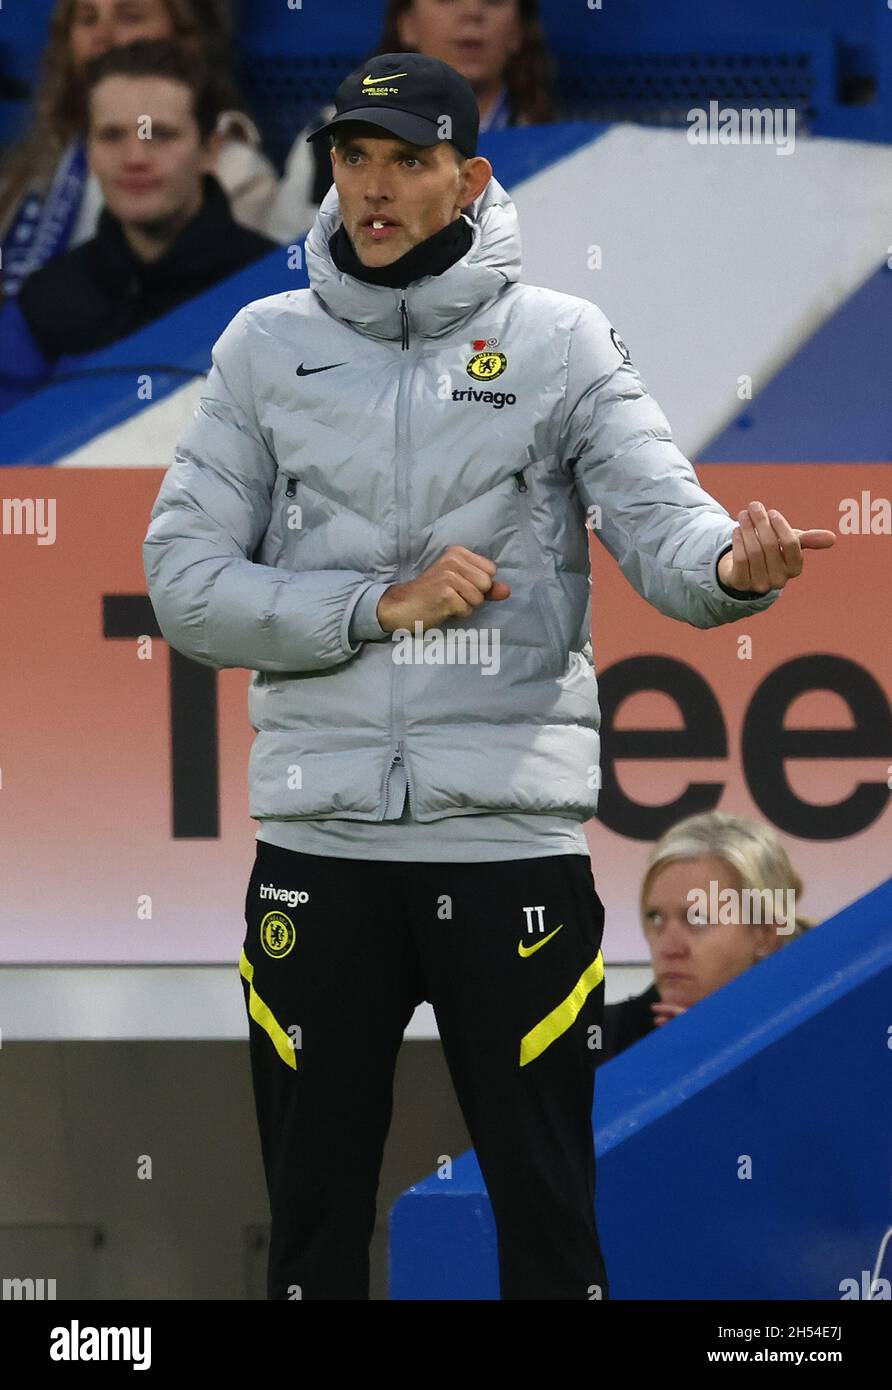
(436, 304)
(430, 257)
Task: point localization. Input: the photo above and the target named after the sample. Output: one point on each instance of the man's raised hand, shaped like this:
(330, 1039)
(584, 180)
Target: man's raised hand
(767, 551)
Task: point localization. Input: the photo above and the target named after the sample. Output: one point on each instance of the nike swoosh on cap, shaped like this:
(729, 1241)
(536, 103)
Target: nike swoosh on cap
(308, 371)
(528, 950)
(373, 81)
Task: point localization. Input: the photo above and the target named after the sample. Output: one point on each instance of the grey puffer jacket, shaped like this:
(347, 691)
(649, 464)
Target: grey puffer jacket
(349, 434)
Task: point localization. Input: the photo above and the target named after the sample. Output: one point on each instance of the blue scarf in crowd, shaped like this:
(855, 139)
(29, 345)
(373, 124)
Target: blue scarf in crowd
(43, 224)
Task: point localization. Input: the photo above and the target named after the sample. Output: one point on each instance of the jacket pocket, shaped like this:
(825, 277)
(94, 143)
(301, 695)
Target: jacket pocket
(290, 518)
(539, 577)
(290, 496)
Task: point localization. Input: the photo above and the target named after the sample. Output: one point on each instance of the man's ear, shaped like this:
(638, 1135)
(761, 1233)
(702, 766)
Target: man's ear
(476, 174)
(211, 152)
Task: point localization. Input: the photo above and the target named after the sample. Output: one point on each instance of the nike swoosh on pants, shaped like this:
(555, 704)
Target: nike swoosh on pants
(528, 950)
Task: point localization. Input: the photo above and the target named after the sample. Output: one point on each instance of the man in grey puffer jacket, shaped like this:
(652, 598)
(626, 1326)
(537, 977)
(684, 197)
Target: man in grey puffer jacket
(369, 456)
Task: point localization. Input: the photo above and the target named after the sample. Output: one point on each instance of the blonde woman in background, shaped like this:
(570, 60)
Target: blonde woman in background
(706, 861)
(49, 201)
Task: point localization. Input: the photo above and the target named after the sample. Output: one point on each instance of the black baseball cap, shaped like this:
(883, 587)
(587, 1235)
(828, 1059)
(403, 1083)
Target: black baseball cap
(412, 96)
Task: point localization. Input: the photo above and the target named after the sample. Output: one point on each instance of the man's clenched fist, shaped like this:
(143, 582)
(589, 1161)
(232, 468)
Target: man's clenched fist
(452, 587)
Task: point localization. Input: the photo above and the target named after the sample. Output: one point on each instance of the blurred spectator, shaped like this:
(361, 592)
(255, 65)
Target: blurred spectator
(165, 234)
(49, 203)
(498, 45)
(692, 958)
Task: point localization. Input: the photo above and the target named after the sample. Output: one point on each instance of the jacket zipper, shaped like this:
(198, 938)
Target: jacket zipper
(397, 761)
(290, 491)
(539, 597)
(396, 690)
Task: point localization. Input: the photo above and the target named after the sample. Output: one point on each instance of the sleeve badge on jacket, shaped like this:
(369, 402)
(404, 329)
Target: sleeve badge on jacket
(620, 345)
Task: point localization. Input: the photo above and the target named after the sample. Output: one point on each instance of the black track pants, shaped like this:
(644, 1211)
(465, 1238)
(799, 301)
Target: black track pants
(337, 954)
